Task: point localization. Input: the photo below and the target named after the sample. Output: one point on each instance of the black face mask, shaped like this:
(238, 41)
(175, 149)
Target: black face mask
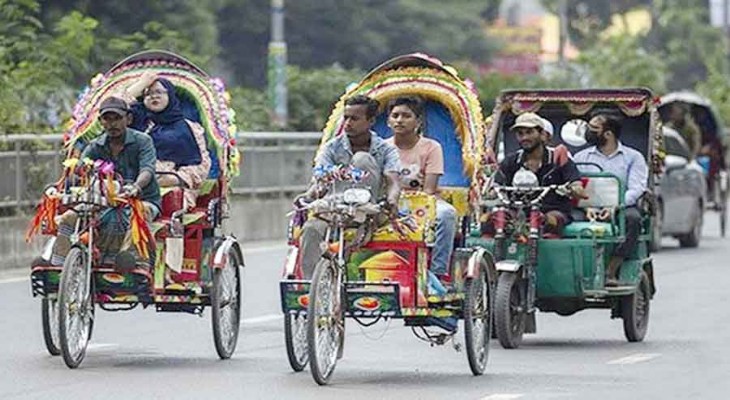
(595, 139)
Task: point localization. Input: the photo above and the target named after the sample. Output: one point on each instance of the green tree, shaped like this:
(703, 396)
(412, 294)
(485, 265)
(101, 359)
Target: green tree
(620, 61)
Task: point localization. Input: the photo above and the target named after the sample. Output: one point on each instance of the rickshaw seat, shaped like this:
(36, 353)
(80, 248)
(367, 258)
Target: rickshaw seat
(604, 192)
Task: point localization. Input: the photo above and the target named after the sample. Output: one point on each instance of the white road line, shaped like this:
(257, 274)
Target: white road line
(101, 346)
(634, 359)
(262, 319)
(503, 396)
(17, 279)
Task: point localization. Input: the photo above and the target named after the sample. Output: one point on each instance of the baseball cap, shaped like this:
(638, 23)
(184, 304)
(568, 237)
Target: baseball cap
(528, 120)
(548, 126)
(115, 105)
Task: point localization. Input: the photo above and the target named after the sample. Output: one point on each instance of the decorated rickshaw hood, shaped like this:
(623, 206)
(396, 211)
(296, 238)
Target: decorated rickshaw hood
(426, 76)
(209, 95)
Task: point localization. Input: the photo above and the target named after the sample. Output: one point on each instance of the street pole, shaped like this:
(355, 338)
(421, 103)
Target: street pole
(277, 66)
(563, 34)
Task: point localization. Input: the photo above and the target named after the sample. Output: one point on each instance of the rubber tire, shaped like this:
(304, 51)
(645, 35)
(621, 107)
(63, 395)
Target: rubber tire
(723, 215)
(506, 286)
(71, 362)
(51, 345)
(634, 328)
(289, 337)
(477, 367)
(692, 239)
(314, 292)
(656, 236)
(220, 347)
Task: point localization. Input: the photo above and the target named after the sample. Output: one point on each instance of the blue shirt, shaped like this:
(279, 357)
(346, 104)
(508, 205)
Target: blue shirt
(626, 163)
(339, 152)
(137, 155)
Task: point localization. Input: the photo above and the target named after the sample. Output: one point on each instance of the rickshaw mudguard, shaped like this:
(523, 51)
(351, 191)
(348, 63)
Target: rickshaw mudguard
(508, 266)
(222, 249)
(482, 255)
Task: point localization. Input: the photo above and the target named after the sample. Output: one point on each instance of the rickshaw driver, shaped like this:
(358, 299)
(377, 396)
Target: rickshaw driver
(630, 167)
(550, 169)
(133, 155)
(363, 149)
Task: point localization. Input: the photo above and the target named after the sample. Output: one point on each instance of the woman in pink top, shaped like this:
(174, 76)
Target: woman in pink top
(422, 164)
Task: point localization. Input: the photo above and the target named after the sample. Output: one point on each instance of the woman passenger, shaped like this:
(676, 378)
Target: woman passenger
(180, 143)
(422, 164)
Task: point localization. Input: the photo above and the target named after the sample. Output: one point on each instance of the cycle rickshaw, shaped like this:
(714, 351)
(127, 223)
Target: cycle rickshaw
(206, 269)
(384, 276)
(713, 152)
(567, 274)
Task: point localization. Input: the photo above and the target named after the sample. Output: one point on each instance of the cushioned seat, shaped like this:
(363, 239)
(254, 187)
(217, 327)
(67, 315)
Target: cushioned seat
(588, 229)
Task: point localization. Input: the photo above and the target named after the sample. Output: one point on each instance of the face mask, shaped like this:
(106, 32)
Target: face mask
(594, 138)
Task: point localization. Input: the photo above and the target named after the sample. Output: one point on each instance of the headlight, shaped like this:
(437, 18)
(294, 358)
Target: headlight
(357, 196)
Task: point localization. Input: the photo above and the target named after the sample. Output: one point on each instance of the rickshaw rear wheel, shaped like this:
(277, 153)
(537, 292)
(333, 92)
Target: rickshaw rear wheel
(75, 308)
(325, 321)
(477, 320)
(49, 319)
(509, 318)
(295, 334)
(225, 298)
(635, 310)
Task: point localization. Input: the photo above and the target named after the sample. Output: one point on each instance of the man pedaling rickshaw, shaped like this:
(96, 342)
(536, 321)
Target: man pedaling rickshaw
(552, 167)
(133, 155)
(363, 149)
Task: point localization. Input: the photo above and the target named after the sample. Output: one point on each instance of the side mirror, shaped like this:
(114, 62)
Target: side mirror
(672, 162)
(574, 131)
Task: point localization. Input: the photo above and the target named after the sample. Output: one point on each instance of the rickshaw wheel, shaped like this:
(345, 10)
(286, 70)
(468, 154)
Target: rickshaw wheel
(49, 318)
(723, 216)
(325, 321)
(635, 310)
(509, 320)
(477, 321)
(75, 308)
(295, 333)
(225, 298)
(692, 239)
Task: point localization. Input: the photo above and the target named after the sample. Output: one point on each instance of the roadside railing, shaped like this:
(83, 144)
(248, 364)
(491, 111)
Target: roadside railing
(274, 164)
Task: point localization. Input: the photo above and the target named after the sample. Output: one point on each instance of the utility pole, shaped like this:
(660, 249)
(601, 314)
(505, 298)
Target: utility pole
(277, 66)
(563, 36)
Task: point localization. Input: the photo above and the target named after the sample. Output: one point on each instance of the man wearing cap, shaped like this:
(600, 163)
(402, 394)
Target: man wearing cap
(134, 156)
(535, 156)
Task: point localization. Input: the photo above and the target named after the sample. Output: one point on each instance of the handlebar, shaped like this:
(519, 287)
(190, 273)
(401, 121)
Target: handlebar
(542, 190)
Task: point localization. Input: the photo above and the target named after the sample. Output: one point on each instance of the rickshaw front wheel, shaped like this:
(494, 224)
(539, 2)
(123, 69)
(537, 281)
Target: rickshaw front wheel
(75, 308)
(509, 311)
(226, 305)
(635, 310)
(477, 320)
(325, 321)
(49, 319)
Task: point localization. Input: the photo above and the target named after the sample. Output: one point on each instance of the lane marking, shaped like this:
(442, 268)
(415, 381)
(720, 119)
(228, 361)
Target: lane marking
(100, 346)
(262, 319)
(634, 359)
(503, 396)
(13, 280)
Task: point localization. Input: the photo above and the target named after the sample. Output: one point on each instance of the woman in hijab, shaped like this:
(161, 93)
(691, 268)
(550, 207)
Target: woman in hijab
(180, 143)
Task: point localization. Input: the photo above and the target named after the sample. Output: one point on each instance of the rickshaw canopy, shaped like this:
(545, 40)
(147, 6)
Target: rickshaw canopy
(204, 100)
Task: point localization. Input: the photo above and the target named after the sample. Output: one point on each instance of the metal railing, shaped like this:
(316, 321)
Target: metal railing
(274, 163)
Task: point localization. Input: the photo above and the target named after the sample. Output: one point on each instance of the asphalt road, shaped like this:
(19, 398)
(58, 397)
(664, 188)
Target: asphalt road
(144, 355)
